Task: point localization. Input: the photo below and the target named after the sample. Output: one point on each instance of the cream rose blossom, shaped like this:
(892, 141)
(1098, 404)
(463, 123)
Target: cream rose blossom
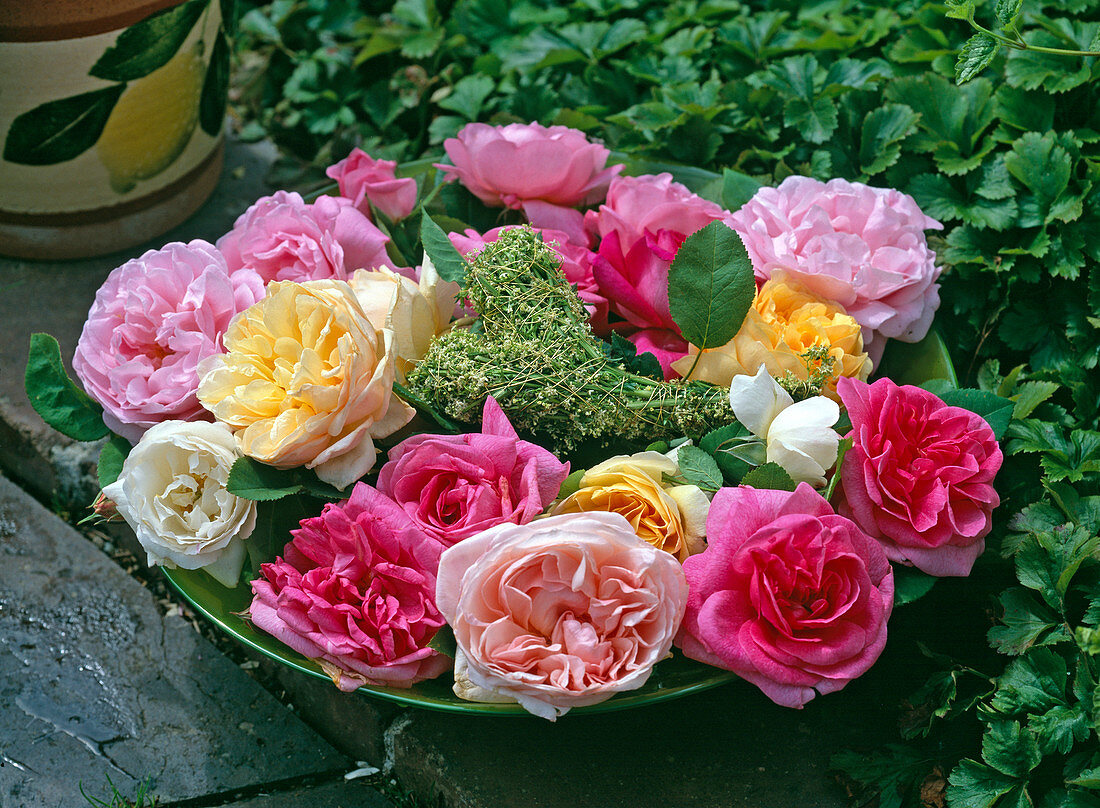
(417, 312)
(172, 493)
(307, 380)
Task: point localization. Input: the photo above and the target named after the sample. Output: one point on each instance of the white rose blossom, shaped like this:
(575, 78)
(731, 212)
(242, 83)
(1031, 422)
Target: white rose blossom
(799, 437)
(172, 492)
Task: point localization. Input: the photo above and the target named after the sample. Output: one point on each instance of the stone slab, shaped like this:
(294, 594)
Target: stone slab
(54, 296)
(94, 682)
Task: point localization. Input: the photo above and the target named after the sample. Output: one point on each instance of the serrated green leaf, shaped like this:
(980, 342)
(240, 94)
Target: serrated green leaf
(718, 441)
(60, 130)
(215, 88)
(251, 479)
(1033, 569)
(1010, 749)
(1090, 778)
(111, 458)
(960, 9)
(148, 44)
(422, 44)
(698, 468)
(1030, 395)
(769, 475)
(1025, 624)
(450, 265)
(468, 96)
(711, 286)
(620, 349)
(975, 56)
(55, 397)
(1031, 70)
(1058, 728)
(1008, 12)
(1034, 683)
(974, 785)
(814, 118)
(881, 134)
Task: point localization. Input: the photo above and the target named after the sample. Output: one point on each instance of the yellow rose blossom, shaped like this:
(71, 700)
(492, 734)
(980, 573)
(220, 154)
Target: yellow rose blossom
(306, 380)
(670, 517)
(784, 322)
(417, 312)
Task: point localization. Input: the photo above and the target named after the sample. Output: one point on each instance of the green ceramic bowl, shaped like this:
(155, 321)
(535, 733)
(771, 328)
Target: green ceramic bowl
(672, 678)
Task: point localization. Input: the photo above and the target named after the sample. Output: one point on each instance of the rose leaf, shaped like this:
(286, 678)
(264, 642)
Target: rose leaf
(55, 396)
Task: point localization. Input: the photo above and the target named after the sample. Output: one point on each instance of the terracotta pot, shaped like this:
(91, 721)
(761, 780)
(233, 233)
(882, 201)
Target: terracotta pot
(111, 118)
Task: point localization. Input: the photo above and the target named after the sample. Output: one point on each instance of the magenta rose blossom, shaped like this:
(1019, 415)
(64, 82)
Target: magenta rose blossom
(453, 486)
(788, 595)
(862, 247)
(561, 613)
(152, 321)
(355, 590)
(366, 181)
(544, 171)
(641, 227)
(576, 265)
(919, 475)
(283, 238)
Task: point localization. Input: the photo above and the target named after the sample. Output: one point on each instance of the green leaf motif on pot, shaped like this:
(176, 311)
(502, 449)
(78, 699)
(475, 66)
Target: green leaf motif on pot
(60, 130)
(148, 44)
(55, 397)
(215, 88)
(711, 286)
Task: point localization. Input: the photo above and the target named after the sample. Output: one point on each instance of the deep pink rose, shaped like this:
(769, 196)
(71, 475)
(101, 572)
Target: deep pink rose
(576, 265)
(787, 595)
(919, 476)
(366, 181)
(563, 612)
(152, 321)
(454, 486)
(544, 171)
(860, 246)
(641, 227)
(355, 590)
(285, 239)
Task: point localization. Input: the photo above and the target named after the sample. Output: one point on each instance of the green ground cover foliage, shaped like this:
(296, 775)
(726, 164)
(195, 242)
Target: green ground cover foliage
(753, 92)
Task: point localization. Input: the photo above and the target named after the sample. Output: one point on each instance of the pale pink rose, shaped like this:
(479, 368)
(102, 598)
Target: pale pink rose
(654, 208)
(453, 486)
(283, 238)
(641, 227)
(919, 476)
(787, 595)
(355, 590)
(366, 181)
(563, 612)
(576, 265)
(511, 166)
(862, 247)
(152, 321)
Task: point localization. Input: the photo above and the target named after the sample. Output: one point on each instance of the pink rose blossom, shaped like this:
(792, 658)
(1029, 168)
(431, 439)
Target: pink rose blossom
(355, 590)
(285, 239)
(152, 321)
(641, 227)
(919, 476)
(563, 612)
(576, 265)
(787, 595)
(453, 486)
(366, 181)
(862, 247)
(544, 171)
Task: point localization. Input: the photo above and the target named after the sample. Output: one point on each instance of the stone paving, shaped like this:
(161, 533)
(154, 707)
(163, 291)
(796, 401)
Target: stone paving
(158, 705)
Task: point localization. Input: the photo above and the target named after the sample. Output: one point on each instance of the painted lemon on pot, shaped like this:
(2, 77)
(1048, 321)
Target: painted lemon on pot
(153, 121)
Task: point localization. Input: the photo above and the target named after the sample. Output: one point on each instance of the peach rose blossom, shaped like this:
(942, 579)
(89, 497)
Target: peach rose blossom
(306, 380)
(785, 320)
(562, 612)
(670, 517)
